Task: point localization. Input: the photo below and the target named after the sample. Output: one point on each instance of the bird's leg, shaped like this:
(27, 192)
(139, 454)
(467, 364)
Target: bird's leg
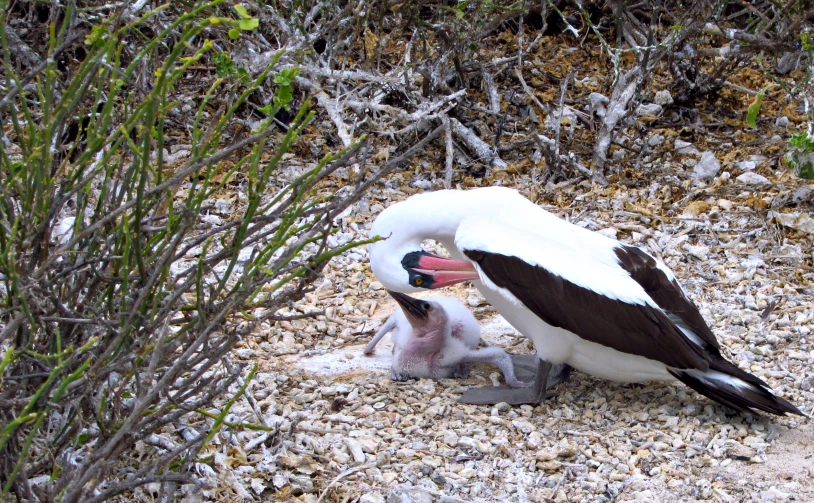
(398, 376)
(541, 381)
(546, 375)
(461, 371)
(499, 358)
(389, 325)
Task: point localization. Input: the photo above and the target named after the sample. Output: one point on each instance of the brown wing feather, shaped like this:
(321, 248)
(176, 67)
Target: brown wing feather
(666, 293)
(636, 329)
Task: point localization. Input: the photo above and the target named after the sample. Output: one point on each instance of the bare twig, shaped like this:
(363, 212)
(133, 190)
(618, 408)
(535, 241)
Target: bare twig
(449, 153)
(565, 474)
(342, 475)
(491, 92)
(558, 122)
(482, 150)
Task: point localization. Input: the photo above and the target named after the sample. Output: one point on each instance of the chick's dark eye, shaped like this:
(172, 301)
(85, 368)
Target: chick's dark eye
(426, 306)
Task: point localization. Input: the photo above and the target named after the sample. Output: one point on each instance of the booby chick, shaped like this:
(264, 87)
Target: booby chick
(437, 338)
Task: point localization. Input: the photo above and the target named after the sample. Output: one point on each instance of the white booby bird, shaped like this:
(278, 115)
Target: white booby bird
(585, 300)
(436, 338)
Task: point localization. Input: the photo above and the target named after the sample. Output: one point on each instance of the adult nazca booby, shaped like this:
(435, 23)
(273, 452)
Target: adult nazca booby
(585, 300)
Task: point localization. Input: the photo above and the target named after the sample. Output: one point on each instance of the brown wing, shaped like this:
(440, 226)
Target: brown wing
(630, 328)
(666, 293)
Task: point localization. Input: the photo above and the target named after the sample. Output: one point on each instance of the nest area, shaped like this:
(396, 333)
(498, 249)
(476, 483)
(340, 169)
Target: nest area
(663, 126)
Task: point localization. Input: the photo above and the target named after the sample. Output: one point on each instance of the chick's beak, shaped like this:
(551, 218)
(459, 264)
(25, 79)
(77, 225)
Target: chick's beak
(416, 310)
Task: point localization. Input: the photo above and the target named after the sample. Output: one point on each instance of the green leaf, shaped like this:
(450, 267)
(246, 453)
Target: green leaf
(754, 109)
(97, 36)
(234, 33)
(806, 41)
(242, 11)
(249, 24)
(224, 66)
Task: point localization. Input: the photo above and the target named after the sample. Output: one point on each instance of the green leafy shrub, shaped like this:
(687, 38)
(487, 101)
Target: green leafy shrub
(117, 299)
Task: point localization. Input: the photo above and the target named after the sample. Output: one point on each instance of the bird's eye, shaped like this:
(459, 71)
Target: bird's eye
(418, 281)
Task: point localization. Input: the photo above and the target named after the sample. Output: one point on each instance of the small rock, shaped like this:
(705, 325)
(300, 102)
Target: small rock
(408, 494)
(245, 354)
(782, 121)
(663, 97)
(439, 479)
(374, 497)
(450, 438)
(567, 451)
(773, 494)
(467, 472)
(375, 285)
(802, 194)
(725, 204)
(609, 232)
(597, 104)
(685, 148)
(649, 109)
(302, 483)
(752, 178)
(257, 485)
(503, 407)
(700, 252)
(548, 466)
(355, 448)
(737, 450)
(654, 140)
(791, 254)
(707, 167)
(746, 165)
(535, 441)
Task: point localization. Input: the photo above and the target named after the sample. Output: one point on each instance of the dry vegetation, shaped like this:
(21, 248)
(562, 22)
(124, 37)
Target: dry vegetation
(182, 191)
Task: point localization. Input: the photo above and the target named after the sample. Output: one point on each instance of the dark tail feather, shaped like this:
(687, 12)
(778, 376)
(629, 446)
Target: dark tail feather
(747, 397)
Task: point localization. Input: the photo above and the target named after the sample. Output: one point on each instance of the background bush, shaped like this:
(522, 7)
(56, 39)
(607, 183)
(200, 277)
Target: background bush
(121, 297)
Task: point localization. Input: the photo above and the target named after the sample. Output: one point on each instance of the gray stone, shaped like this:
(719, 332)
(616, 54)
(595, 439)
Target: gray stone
(752, 178)
(649, 109)
(597, 103)
(374, 497)
(746, 165)
(663, 97)
(707, 167)
(408, 494)
(802, 194)
(685, 148)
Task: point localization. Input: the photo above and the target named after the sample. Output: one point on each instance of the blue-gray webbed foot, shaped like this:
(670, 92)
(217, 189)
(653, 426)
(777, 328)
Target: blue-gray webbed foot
(545, 375)
(460, 371)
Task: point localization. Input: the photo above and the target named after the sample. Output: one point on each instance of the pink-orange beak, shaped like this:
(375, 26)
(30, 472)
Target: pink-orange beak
(443, 271)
